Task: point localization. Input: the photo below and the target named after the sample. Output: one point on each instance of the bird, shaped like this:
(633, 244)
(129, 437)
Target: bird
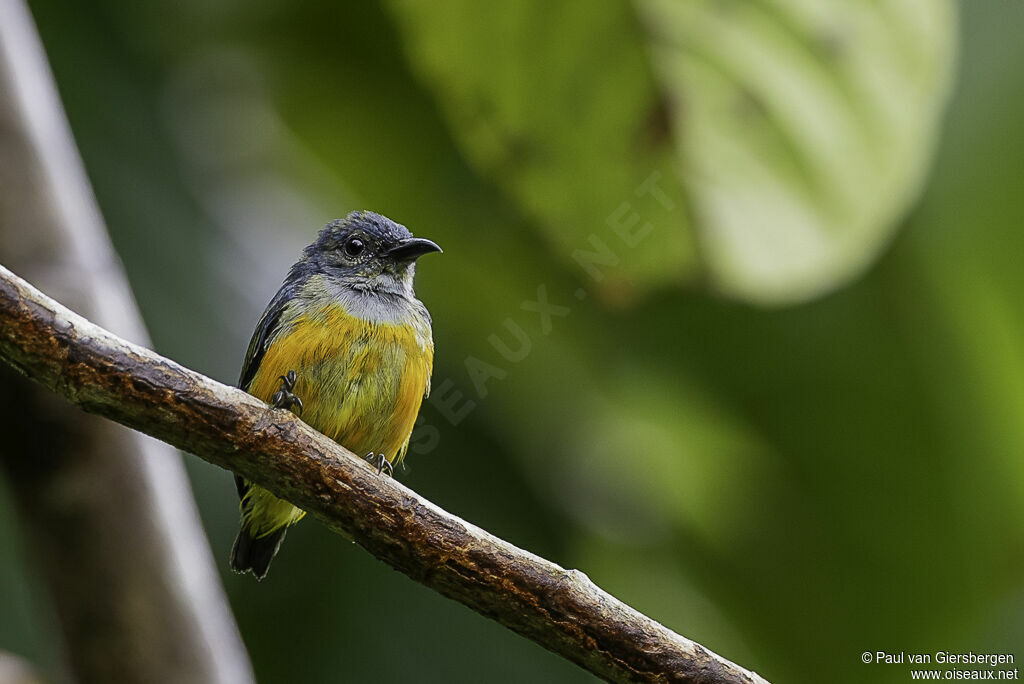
(348, 347)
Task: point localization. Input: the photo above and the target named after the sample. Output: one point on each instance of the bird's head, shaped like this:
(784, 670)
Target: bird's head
(367, 251)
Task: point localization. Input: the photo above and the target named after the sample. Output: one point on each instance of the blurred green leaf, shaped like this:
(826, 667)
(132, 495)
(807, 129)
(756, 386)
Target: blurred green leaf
(804, 129)
(558, 105)
(799, 130)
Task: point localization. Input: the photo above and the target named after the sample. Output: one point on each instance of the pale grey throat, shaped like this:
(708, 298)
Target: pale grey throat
(391, 302)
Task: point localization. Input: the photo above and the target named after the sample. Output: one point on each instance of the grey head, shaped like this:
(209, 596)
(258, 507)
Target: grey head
(366, 252)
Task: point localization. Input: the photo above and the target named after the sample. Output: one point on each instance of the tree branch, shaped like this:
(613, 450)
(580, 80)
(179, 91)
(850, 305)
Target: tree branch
(559, 609)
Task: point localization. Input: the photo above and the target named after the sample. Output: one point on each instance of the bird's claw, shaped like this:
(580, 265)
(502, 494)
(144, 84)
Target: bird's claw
(381, 462)
(284, 398)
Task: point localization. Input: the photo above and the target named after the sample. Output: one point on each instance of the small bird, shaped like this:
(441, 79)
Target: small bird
(346, 344)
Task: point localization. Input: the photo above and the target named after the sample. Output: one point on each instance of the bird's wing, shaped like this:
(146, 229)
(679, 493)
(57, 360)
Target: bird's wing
(265, 331)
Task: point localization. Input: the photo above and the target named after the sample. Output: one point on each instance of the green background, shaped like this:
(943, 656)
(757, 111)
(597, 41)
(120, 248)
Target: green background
(792, 449)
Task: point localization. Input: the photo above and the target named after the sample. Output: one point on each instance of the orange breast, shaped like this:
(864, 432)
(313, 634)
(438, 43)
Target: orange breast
(361, 383)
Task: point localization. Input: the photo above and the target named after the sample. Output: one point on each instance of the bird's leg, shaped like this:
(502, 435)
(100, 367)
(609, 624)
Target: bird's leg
(284, 398)
(382, 463)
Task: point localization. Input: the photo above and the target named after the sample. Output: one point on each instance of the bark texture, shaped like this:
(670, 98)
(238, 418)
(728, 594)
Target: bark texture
(559, 609)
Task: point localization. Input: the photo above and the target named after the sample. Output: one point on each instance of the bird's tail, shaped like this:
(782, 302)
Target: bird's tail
(265, 520)
(253, 554)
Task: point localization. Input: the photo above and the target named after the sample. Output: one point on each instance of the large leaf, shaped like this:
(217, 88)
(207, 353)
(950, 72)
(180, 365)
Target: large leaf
(558, 104)
(804, 128)
(800, 130)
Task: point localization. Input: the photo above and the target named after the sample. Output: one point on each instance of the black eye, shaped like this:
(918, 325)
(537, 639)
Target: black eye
(354, 247)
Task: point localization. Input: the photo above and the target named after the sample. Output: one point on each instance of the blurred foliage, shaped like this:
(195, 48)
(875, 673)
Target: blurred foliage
(799, 128)
(803, 128)
(557, 104)
(789, 486)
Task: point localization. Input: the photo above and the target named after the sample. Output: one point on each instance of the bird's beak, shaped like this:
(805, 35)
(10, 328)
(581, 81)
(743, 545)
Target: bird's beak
(413, 248)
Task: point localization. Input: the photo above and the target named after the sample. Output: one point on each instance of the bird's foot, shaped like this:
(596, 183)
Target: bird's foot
(381, 462)
(284, 398)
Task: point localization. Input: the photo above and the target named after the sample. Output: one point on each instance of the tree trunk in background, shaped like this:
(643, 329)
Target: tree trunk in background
(14, 670)
(107, 512)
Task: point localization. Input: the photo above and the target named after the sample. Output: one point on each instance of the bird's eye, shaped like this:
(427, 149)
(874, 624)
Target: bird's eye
(354, 247)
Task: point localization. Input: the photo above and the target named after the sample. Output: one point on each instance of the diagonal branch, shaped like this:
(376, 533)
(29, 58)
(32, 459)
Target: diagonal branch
(559, 609)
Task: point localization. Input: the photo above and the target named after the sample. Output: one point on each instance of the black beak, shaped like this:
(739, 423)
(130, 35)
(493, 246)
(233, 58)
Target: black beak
(413, 248)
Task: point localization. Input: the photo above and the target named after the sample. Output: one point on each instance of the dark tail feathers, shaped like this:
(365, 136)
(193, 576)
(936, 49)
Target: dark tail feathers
(253, 554)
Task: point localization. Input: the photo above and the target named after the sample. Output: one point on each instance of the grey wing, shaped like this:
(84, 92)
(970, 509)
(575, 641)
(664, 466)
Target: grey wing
(265, 331)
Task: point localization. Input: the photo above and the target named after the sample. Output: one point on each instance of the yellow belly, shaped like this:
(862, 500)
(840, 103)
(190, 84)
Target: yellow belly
(360, 383)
